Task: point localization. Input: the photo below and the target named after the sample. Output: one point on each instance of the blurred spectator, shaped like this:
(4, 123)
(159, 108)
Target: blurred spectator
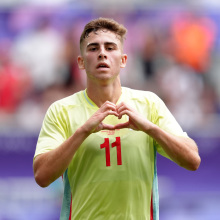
(37, 106)
(40, 51)
(148, 54)
(193, 38)
(15, 82)
(181, 88)
(70, 54)
(209, 100)
(43, 63)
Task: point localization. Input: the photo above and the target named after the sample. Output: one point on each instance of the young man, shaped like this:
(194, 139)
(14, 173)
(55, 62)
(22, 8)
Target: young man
(103, 140)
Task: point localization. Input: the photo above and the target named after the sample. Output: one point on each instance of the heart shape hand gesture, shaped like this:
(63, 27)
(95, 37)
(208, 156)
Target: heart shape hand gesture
(136, 120)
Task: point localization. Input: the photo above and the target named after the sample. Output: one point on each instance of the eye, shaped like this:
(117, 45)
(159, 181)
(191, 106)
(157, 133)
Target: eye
(92, 49)
(109, 48)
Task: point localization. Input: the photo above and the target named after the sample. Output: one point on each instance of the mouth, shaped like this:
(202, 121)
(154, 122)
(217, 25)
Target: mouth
(102, 65)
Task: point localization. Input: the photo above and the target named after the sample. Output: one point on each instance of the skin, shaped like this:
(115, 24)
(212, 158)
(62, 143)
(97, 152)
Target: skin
(104, 89)
(102, 47)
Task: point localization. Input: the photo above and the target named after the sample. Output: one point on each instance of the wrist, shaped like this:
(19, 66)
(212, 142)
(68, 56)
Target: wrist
(151, 129)
(83, 130)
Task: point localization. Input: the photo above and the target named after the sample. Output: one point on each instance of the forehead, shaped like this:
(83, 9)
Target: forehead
(101, 37)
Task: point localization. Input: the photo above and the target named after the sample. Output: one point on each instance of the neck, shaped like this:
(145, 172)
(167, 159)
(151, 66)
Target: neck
(99, 94)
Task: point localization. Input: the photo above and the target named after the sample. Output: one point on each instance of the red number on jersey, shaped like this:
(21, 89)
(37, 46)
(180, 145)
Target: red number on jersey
(116, 144)
(107, 151)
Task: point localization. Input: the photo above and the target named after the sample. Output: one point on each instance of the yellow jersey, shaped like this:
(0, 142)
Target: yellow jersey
(113, 173)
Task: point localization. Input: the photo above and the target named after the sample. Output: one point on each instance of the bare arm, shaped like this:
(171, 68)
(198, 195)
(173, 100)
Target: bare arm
(51, 165)
(182, 150)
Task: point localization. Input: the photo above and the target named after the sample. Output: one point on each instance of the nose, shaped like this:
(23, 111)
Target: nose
(102, 54)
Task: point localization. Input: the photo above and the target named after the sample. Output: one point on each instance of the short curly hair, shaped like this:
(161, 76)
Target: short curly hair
(105, 24)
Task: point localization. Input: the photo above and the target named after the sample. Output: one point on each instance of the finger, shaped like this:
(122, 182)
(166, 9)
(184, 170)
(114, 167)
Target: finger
(120, 106)
(110, 112)
(107, 103)
(108, 106)
(122, 125)
(125, 112)
(123, 107)
(101, 114)
(107, 127)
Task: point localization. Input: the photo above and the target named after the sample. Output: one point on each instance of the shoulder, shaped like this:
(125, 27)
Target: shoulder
(69, 102)
(142, 96)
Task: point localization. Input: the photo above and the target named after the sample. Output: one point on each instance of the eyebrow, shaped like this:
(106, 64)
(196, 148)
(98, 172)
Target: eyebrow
(97, 44)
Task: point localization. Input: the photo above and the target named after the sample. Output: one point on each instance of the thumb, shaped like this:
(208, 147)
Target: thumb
(122, 125)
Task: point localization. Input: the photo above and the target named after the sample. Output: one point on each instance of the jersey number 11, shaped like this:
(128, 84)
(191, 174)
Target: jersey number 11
(116, 144)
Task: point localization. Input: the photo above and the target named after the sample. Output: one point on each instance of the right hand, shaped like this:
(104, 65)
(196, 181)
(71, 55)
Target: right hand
(95, 124)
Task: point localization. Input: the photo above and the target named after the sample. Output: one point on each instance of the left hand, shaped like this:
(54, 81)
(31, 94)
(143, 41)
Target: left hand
(182, 150)
(136, 120)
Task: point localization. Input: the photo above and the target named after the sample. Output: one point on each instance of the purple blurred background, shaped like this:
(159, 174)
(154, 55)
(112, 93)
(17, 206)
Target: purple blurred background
(173, 50)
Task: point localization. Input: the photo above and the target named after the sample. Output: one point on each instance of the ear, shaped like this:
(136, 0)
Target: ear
(123, 60)
(80, 62)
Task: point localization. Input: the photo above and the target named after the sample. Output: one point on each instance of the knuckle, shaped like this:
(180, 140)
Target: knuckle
(107, 102)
